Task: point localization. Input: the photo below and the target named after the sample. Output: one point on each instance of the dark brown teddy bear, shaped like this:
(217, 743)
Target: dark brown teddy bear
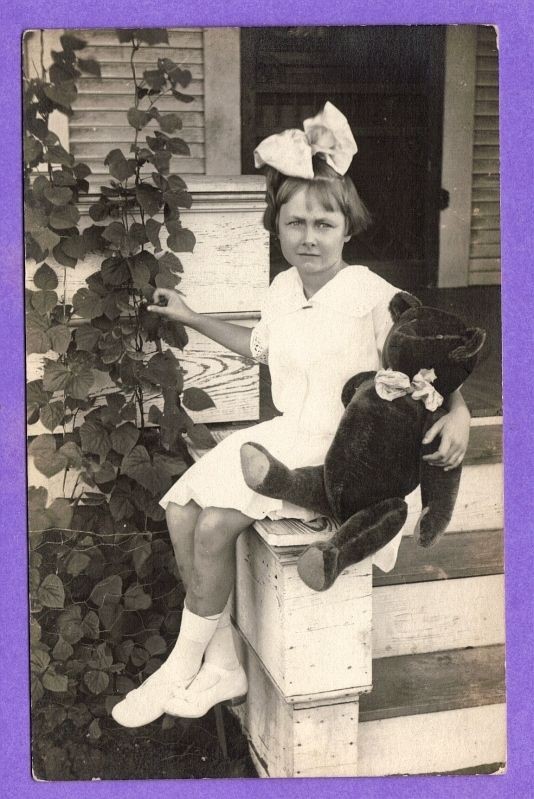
(375, 459)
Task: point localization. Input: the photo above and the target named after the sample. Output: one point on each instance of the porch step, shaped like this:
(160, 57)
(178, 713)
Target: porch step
(463, 554)
(431, 713)
(435, 615)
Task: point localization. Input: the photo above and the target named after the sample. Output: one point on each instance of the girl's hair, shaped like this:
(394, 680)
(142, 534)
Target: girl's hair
(333, 191)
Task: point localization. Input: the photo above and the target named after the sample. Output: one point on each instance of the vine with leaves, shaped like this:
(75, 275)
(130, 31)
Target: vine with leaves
(103, 583)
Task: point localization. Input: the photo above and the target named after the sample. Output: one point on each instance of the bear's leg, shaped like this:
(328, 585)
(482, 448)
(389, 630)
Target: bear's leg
(268, 476)
(439, 490)
(361, 535)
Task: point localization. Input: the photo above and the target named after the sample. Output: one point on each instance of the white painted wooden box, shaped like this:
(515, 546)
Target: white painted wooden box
(313, 645)
(318, 738)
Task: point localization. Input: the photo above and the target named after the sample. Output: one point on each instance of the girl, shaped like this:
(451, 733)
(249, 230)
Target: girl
(323, 321)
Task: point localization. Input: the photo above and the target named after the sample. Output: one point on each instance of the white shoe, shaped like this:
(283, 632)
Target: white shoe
(146, 703)
(212, 686)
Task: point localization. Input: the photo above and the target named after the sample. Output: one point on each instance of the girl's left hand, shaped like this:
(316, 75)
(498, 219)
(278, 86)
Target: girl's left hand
(454, 431)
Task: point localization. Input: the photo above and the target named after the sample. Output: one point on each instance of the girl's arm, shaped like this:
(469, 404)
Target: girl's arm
(454, 431)
(233, 337)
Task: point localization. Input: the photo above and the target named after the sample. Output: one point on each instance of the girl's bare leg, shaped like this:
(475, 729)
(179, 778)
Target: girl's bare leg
(181, 522)
(213, 573)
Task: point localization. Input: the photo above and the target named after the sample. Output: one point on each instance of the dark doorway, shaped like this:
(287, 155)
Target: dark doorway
(388, 81)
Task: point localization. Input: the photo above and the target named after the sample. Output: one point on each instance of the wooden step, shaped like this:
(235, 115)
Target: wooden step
(433, 615)
(471, 554)
(434, 713)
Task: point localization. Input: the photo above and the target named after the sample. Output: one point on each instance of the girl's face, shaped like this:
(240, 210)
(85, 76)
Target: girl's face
(311, 237)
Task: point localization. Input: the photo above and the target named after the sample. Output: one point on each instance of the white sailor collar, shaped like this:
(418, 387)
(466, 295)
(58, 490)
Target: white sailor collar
(353, 291)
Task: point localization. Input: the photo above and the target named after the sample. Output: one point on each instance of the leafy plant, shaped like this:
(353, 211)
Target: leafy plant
(103, 582)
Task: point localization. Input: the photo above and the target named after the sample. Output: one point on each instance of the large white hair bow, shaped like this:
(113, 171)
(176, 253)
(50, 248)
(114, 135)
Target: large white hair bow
(291, 152)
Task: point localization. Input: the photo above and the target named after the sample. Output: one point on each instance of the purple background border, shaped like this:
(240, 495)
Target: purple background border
(516, 29)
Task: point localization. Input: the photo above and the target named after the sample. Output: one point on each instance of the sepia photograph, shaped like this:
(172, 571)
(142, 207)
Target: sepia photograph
(264, 402)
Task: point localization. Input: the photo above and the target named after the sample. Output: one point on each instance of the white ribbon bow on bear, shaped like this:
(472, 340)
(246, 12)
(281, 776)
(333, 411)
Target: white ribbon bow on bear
(291, 152)
(390, 384)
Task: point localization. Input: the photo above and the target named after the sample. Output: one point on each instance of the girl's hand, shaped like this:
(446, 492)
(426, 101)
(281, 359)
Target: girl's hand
(169, 303)
(454, 431)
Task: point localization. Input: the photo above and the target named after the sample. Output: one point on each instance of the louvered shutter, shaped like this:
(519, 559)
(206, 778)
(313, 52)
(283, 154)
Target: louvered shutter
(484, 255)
(99, 122)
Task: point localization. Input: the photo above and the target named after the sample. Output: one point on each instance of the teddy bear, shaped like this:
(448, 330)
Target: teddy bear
(375, 459)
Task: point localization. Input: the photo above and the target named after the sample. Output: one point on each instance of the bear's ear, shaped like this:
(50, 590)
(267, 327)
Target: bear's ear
(400, 303)
(474, 343)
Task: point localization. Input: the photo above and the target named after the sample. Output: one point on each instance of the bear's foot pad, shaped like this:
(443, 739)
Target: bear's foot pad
(255, 465)
(317, 567)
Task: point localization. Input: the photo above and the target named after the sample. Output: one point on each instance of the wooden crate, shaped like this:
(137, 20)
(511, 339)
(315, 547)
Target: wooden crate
(294, 630)
(317, 738)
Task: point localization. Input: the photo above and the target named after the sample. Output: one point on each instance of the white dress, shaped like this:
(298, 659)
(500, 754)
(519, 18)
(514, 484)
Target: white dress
(313, 346)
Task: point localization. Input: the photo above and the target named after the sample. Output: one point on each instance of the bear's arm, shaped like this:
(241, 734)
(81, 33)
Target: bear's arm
(352, 384)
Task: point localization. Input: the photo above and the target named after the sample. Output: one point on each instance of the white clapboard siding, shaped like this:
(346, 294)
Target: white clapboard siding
(432, 743)
(484, 250)
(99, 121)
(438, 614)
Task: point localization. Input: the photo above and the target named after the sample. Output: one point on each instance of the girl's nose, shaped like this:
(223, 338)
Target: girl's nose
(310, 235)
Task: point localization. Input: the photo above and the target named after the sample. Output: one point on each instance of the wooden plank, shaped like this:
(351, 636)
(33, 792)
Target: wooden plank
(443, 614)
(488, 166)
(487, 48)
(123, 70)
(457, 555)
(485, 252)
(485, 444)
(486, 237)
(228, 270)
(487, 94)
(432, 743)
(314, 740)
(487, 137)
(433, 682)
(487, 123)
(487, 115)
(104, 118)
(486, 181)
(106, 37)
(96, 152)
(147, 56)
(487, 222)
(487, 62)
(486, 151)
(291, 627)
(119, 102)
(484, 265)
(126, 86)
(487, 79)
(484, 278)
(230, 380)
(125, 133)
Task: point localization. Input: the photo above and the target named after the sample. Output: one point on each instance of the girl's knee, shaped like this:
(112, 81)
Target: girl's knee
(216, 529)
(181, 518)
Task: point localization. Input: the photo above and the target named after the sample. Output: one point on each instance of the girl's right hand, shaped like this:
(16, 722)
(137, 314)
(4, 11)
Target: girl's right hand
(170, 304)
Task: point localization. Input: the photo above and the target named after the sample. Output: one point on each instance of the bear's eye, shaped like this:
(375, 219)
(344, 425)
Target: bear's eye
(439, 336)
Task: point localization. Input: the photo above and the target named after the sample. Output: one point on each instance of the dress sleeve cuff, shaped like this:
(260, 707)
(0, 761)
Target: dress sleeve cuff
(258, 343)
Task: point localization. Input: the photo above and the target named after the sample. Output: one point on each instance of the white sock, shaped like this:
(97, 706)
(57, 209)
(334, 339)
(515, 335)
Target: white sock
(195, 634)
(221, 649)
